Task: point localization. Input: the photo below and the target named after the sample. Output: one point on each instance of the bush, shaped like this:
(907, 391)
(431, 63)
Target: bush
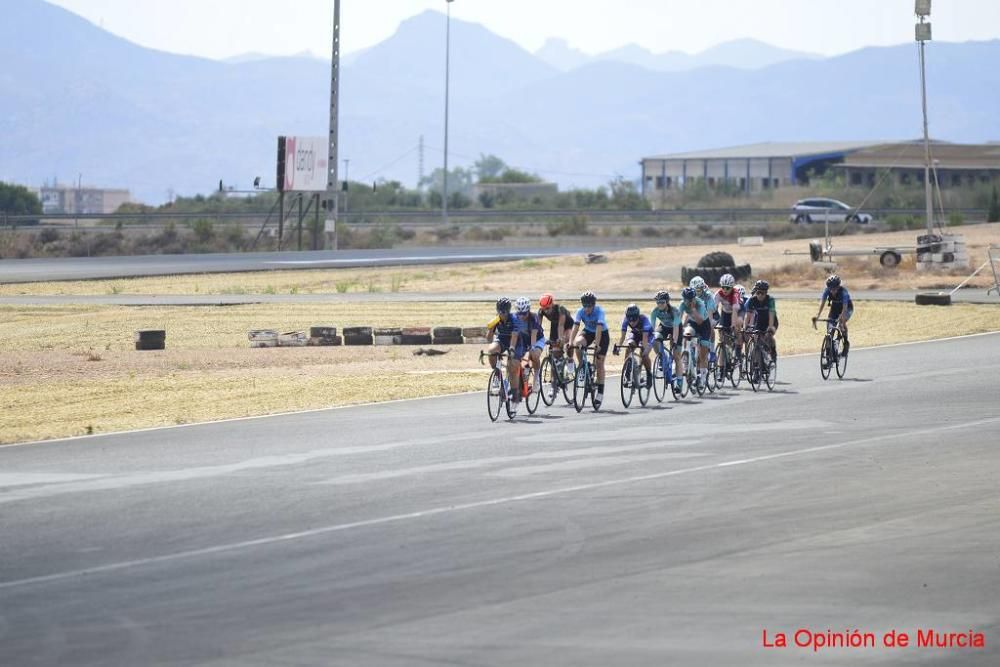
(956, 220)
(576, 225)
(993, 215)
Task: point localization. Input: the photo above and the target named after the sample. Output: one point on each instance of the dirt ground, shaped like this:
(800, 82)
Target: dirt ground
(72, 370)
(645, 270)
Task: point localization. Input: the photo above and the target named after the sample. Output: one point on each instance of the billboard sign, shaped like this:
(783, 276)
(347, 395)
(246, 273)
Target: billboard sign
(302, 164)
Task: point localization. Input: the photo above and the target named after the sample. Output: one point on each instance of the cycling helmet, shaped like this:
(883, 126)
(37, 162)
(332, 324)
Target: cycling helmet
(503, 305)
(697, 283)
(632, 312)
(545, 301)
(741, 290)
(833, 281)
(588, 299)
(760, 286)
(727, 280)
(688, 293)
(523, 305)
(662, 295)
(689, 331)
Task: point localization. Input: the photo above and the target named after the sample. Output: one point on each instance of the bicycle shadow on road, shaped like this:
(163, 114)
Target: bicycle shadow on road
(855, 379)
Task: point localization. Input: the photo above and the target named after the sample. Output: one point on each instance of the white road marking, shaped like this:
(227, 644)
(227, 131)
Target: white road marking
(450, 509)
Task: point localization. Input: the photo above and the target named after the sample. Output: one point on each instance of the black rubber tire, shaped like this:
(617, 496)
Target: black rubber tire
(494, 401)
(415, 339)
(322, 332)
(627, 382)
(151, 344)
(449, 341)
(357, 331)
(549, 381)
(933, 299)
(358, 340)
(824, 358)
(717, 259)
(743, 272)
(447, 332)
(890, 259)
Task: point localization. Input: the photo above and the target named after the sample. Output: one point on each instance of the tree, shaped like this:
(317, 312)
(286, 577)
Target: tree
(18, 200)
(994, 213)
(625, 195)
(488, 167)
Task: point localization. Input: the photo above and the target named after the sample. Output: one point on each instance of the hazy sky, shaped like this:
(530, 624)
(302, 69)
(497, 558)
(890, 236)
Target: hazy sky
(221, 28)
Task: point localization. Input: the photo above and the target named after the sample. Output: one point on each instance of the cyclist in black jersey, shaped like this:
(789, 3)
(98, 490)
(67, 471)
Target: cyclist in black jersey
(560, 325)
(762, 315)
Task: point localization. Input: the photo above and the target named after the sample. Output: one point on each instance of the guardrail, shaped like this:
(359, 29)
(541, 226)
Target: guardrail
(423, 218)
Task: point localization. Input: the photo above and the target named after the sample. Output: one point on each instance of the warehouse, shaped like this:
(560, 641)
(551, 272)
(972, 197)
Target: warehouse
(757, 168)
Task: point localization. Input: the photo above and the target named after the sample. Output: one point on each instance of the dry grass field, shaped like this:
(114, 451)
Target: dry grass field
(645, 270)
(72, 370)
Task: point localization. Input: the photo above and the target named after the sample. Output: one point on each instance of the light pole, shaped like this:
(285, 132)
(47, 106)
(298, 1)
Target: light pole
(347, 185)
(922, 9)
(331, 164)
(447, 63)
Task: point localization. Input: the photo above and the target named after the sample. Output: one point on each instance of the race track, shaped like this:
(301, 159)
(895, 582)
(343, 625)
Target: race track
(419, 533)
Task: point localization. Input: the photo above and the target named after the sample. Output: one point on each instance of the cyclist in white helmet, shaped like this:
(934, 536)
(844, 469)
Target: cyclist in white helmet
(535, 344)
(705, 294)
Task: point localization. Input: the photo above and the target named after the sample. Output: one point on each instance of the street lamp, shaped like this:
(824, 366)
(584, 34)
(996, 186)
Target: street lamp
(447, 53)
(922, 8)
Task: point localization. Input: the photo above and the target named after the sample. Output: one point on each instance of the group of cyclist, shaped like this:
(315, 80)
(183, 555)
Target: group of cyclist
(519, 332)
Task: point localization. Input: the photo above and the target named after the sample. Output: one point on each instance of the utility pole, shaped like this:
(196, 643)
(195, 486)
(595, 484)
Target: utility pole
(923, 34)
(447, 57)
(332, 181)
(420, 163)
(347, 186)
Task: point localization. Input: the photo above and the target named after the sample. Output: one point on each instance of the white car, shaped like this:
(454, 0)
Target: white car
(817, 210)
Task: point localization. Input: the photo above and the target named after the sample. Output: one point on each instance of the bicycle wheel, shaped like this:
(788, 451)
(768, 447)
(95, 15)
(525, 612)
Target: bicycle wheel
(659, 377)
(721, 364)
(550, 382)
(592, 386)
(825, 357)
(735, 370)
(628, 381)
(494, 395)
(710, 382)
(770, 371)
(841, 357)
(685, 373)
(642, 377)
(580, 387)
(534, 393)
(753, 366)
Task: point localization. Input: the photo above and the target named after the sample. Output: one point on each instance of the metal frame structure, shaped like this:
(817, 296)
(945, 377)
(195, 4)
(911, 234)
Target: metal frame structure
(332, 191)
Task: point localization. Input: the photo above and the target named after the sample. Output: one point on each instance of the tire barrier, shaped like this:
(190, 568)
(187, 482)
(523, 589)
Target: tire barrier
(717, 259)
(933, 299)
(293, 339)
(358, 336)
(711, 275)
(416, 336)
(323, 332)
(151, 339)
(263, 338)
(474, 332)
(388, 336)
(447, 336)
(325, 341)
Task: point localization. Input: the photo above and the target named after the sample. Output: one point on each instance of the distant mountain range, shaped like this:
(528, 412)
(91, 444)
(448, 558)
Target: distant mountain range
(80, 102)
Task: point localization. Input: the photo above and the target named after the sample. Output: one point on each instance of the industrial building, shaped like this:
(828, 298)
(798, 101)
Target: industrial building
(79, 200)
(767, 166)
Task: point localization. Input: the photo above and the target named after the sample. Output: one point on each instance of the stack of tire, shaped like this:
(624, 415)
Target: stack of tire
(447, 336)
(358, 336)
(151, 339)
(713, 266)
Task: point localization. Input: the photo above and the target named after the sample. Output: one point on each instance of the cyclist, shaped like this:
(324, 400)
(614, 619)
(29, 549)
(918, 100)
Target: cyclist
(667, 323)
(561, 324)
(640, 332)
(595, 328)
(505, 332)
(729, 303)
(762, 315)
(841, 307)
(696, 315)
(535, 338)
(702, 292)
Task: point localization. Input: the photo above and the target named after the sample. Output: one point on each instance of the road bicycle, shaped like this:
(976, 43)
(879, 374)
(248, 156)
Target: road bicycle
(830, 355)
(728, 358)
(499, 387)
(634, 376)
(556, 376)
(663, 372)
(762, 367)
(584, 384)
(689, 364)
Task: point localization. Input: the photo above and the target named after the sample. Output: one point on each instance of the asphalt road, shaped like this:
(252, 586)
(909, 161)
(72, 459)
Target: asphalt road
(419, 533)
(90, 268)
(972, 295)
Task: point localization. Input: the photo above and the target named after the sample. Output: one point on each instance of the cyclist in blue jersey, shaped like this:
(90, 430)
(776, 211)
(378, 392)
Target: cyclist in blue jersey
(535, 343)
(666, 321)
(506, 332)
(591, 326)
(841, 307)
(711, 305)
(640, 332)
(696, 315)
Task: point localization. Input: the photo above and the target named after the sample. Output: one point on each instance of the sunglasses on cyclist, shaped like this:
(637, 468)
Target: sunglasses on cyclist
(727, 289)
(661, 303)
